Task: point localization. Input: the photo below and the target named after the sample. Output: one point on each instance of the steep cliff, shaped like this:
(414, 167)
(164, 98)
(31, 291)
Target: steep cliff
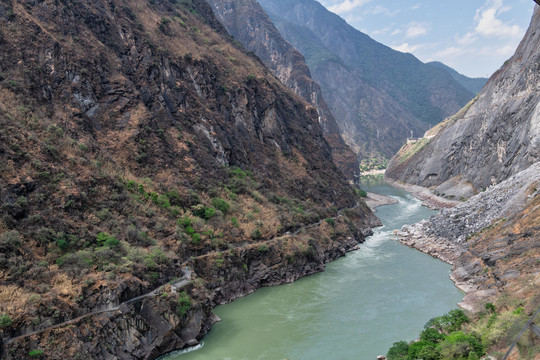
(491, 147)
(249, 24)
(490, 140)
(376, 103)
(136, 139)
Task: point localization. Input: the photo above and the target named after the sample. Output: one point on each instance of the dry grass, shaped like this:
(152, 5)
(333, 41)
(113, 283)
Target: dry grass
(13, 298)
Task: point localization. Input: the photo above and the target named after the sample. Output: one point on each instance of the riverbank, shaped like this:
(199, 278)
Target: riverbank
(368, 294)
(490, 239)
(427, 197)
(373, 172)
(373, 200)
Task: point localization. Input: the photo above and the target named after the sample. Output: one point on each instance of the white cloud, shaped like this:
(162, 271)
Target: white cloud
(451, 51)
(488, 24)
(406, 48)
(467, 39)
(416, 29)
(381, 10)
(506, 50)
(347, 5)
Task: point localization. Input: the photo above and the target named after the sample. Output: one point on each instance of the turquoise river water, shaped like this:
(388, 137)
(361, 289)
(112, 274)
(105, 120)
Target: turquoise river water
(354, 310)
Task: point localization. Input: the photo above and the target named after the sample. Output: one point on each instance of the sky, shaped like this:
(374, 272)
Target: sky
(475, 37)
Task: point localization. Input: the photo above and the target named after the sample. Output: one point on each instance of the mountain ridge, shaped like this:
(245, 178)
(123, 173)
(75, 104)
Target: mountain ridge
(248, 23)
(376, 103)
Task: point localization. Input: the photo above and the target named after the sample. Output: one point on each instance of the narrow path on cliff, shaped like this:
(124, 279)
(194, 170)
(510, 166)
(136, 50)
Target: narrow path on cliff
(296, 232)
(185, 280)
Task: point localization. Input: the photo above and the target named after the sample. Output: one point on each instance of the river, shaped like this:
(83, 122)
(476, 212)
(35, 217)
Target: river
(354, 310)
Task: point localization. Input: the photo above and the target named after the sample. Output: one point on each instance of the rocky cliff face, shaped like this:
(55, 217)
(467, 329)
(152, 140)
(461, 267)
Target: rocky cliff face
(376, 103)
(249, 24)
(496, 137)
(492, 240)
(136, 139)
(490, 147)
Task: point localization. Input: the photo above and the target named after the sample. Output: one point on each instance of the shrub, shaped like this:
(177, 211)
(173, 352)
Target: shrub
(62, 244)
(104, 239)
(459, 345)
(196, 238)
(174, 197)
(234, 222)
(398, 351)
(431, 335)
(184, 304)
(209, 213)
(5, 320)
(163, 201)
(416, 347)
(263, 248)
(330, 221)
(10, 240)
(35, 353)
(221, 205)
(185, 222)
(256, 234)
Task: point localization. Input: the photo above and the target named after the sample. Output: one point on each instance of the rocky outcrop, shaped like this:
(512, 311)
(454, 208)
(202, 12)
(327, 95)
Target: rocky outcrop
(249, 24)
(376, 103)
(491, 239)
(496, 137)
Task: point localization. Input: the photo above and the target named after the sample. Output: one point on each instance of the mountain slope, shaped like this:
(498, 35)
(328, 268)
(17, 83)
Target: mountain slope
(494, 138)
(472, 84)
(491, 148)
(249, 24)
(370, 83)
(136, 140)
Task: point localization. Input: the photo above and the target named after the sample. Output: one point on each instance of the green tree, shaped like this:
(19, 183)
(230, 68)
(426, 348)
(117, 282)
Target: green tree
(221, 205)
(398, 351)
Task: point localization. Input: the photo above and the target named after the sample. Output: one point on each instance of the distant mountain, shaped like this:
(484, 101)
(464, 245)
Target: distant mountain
(377, 95)
(251, 26)
(473, 84)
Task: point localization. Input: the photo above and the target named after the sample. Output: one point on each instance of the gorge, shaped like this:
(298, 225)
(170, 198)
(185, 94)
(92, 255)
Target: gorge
(162, 157)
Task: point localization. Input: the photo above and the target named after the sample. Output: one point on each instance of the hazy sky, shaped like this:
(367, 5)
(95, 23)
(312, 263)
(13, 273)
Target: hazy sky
(473, 36)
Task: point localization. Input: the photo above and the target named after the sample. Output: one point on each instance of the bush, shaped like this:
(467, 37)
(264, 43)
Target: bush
(398, 351)
(196, 238)
(35, 353)
(62, 244)
(330, 222)
(104, 239)
(202, 211)
(221, 205)
(416, 348)
(431, 335)
(10, 240)
(256, 234)
(5, 320)
(459, 345)
(184, 304)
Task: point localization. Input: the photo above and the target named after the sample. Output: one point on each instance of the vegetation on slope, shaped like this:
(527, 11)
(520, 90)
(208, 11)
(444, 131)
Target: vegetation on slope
(136, 138)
